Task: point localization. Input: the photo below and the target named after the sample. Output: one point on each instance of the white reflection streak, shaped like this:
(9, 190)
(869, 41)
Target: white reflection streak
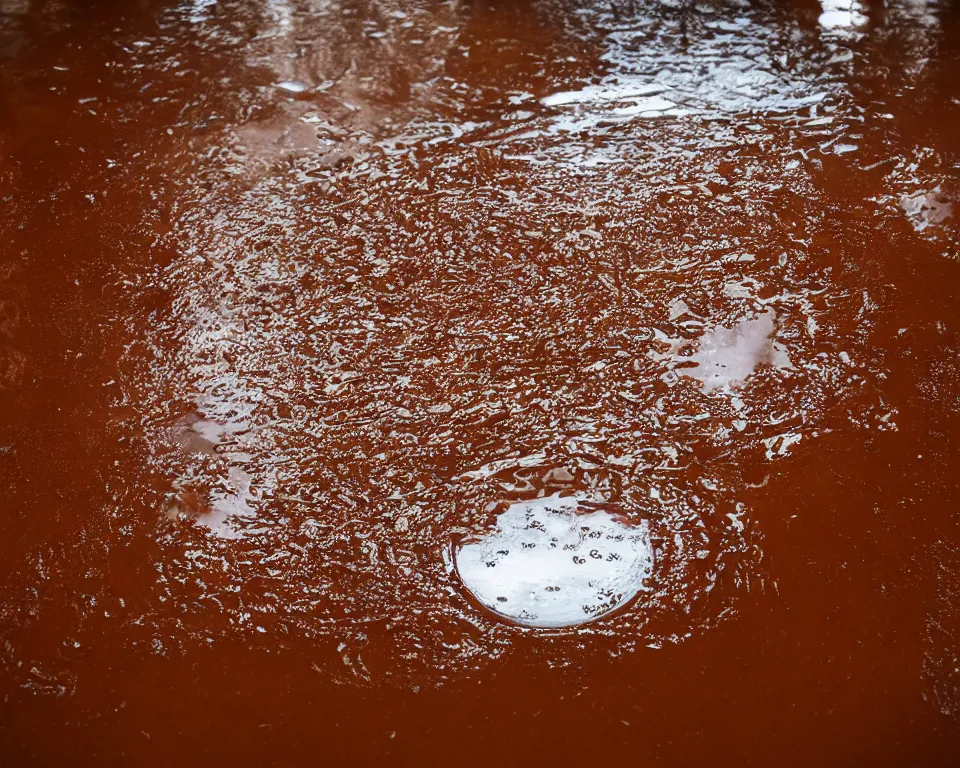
(840, 15)
(728, 356)
(197, 10)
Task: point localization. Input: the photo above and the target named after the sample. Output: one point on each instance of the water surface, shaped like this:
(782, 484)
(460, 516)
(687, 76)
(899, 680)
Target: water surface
(310, 311)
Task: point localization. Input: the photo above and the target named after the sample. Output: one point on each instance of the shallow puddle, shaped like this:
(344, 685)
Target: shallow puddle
(385, 380)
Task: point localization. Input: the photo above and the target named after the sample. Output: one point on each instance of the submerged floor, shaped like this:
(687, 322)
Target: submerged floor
(325, 326)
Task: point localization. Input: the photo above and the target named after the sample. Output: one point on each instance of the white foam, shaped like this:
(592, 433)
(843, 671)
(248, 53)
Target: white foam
(551, 563)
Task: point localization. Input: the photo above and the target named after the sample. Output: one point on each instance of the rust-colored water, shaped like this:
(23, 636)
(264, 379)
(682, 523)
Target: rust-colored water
(298, 297)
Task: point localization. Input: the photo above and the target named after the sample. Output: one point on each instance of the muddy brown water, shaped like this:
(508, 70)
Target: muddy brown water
(299, 297)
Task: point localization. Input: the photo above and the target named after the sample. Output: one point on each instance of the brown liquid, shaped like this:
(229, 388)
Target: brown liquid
(296, 296)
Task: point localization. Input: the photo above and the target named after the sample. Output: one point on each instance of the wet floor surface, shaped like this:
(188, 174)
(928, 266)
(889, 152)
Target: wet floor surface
(333, 334)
